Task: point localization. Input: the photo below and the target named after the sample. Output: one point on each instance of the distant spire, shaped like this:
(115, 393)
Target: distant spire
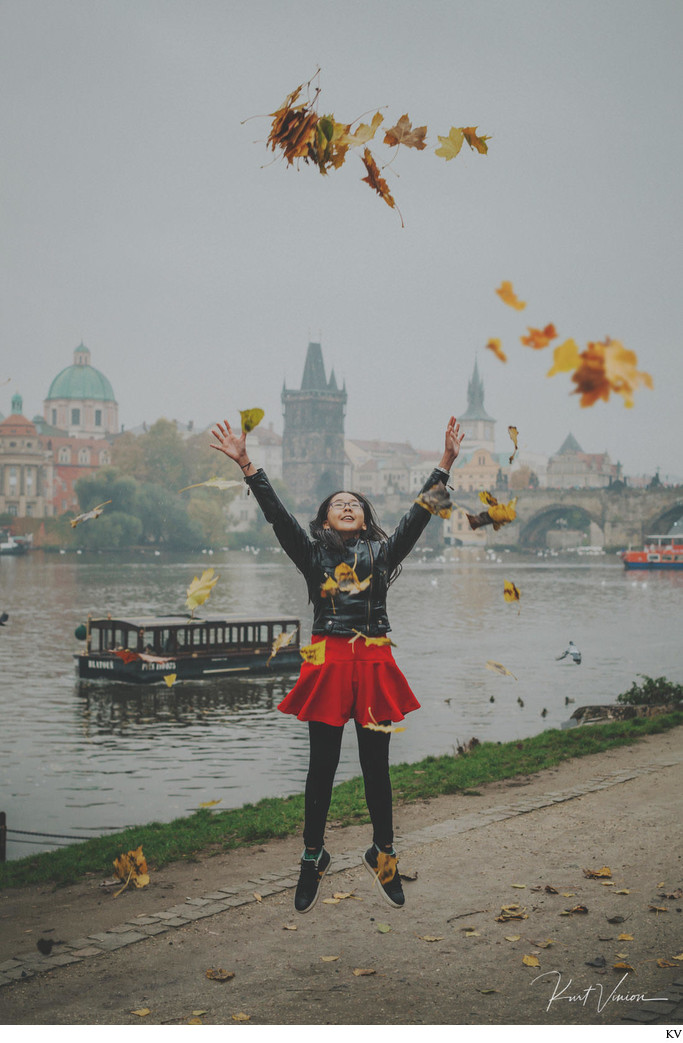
(17, 404)
(475, 398)
(314, 369)
(333, 381)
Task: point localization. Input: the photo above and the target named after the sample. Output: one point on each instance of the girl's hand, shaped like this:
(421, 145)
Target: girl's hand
(234, 446)
(452, 443)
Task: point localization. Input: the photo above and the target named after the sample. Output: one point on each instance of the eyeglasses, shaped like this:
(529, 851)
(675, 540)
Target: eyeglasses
(339, 505)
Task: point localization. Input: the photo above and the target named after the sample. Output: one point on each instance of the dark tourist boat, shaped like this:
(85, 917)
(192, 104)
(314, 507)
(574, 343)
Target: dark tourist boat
(148, 649)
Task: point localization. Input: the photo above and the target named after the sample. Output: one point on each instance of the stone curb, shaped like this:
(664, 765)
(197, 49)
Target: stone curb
(222, 899)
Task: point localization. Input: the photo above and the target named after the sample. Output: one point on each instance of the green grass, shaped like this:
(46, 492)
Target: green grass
(210, 832)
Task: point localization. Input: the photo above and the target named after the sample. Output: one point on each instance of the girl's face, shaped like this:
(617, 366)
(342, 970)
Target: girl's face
(345, 515)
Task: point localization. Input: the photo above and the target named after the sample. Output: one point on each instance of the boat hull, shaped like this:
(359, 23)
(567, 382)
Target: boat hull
(108, 667)
(653, 564)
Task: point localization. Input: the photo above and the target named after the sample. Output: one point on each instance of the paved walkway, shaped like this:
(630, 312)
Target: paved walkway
(441, 839)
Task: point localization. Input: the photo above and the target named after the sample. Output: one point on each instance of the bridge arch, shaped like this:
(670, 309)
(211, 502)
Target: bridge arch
(660, 523)
(533, 531)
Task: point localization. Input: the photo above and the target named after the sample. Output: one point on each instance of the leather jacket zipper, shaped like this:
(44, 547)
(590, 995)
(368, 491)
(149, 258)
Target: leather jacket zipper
(372, 563)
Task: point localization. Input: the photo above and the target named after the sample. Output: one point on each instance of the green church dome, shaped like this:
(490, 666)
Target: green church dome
(81, 380)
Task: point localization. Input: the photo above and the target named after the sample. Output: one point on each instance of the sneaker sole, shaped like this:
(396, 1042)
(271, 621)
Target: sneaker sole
(308, 908)
(385, 896)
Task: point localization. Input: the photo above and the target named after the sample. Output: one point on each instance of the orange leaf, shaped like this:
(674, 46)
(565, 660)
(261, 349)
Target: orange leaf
(376, 181)
(476, 141)
(494, 345)
(405, 134)
(594, 874)
(514, 435)
(509, 297)
(539, 338)
(510, 591)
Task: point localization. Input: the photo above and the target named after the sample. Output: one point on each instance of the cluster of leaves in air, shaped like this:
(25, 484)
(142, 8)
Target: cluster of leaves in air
(604, 367)
(300, 133)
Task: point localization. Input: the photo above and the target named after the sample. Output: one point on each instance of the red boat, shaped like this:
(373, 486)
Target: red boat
(659, 552)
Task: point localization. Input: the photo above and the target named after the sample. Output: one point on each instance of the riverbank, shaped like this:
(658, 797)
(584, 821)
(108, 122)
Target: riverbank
(211, 831)
(446, 959)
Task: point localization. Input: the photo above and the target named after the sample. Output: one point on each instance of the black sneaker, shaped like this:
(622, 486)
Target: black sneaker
(308, 888)
(384, 868)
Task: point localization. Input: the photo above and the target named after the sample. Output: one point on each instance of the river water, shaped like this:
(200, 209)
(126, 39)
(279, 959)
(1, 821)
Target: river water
(81, 758)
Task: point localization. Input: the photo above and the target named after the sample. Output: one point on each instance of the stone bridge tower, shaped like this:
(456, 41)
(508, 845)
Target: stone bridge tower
(313, 435)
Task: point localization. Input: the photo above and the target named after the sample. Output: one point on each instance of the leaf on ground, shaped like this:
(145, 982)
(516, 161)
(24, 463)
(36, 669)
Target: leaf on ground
(625, 938)
(521, 886)
(594, 874)
(658, 908)
(142, 1012)
(331, 901)
(543, 945)
(599, 961)
(218, 974)
(131, 866)
(257, 896)
(568, 894)
(616, 919)
(199, 1013)
(329, 959)
(665, 963)
(430, 937)
(289, 927)
(678, 893)
(486, 992)
(574, 909)
(343, 894)
(384, 928)
(512, 937)
(623, 966)
(362, 971)
(209, 803)
(531, 961)
(511, 912)
(241, 1016)
(550, 889)
(622, 891)
(679, 957)
(472, 934)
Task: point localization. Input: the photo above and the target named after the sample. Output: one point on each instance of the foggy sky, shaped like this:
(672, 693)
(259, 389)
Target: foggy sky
(141, 216)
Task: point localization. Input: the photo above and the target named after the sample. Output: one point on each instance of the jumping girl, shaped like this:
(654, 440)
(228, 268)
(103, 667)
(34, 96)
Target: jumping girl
(348, 566)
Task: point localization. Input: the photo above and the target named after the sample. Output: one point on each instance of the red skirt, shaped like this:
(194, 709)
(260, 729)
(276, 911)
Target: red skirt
(355, 680)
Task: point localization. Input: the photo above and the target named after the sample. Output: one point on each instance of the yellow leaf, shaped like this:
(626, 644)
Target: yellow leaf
(596, 873)
(565, 358)
(343, 894)
(531, 961)
(472, 934)
(209, 803)
(241, 1017)
(364, 133)
(170, 679)
(281, 641)
(512, 937)
(200, 588)
(665, 963)
(94, 513)
(331, 901)
(142, 1012)
(658, 908)
(509, 297)
(314, 653)
(213, 483)
(476, 141)
(258, 897)
(218, 974)
(436, 500)
(510, 591)
(373, 726)
(502, 513)
(289, 927)
(251, 418)
(621, 966)
(131, 866)
(622, 891)
(568, 894)
(518, 885)
(329, 959)
(451, 144)
(498, 668)
(360, 971)
(199, 1013)
(625, 938)
(679, 957)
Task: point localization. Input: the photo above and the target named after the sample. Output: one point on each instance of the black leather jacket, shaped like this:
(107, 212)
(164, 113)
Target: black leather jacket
(343, 613)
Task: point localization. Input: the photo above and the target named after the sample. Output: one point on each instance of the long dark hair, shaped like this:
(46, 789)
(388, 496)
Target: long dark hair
(333, 541)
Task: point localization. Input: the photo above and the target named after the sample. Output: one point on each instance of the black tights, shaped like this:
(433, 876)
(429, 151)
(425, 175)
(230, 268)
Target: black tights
(373, 750)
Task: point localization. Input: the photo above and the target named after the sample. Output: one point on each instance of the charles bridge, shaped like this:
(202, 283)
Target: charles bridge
(616, 516)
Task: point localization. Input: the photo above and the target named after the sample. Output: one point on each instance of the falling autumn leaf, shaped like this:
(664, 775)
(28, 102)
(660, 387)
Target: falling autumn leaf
(376, 181)
(514, 435)
(200, 589)
(566, 357)
(293, 128)
(314, 653)
(477, 142)
(596, 873)
(94, 513)
(605, 367)
(281, 641)
(495, 346)
(373, 726)
(509, 297)
(344, 581)
(213, 483)
(436, 500)
(510, 591)
(251, 418)
(405, 134)
(539, 338)
(364, 133)
(450, 144)
(170, 679)
(498, 668)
